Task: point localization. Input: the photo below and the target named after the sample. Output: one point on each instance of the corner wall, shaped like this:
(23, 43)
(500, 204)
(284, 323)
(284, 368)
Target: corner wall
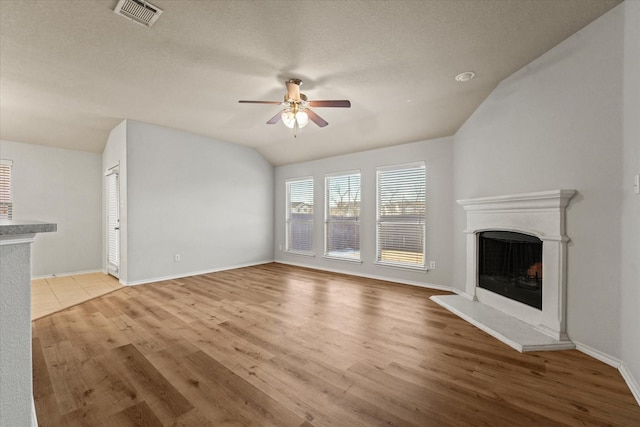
(630, 235)
(557, 124)
(115, 154)
(209, 201)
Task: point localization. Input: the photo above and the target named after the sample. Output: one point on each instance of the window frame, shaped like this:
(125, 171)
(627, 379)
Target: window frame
(6, 189)
(327, 216)
(289, 221)
(423, 223)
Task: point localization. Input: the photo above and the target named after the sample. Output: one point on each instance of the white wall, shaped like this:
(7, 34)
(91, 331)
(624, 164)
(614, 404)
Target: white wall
(437, 154)
(630, 251)
(64, 187)
(557, 123)
(207, 200)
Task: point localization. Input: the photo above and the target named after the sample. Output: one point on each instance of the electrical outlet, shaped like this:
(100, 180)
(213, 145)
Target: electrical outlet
(432, 265)
(636, 184)
(176, 258)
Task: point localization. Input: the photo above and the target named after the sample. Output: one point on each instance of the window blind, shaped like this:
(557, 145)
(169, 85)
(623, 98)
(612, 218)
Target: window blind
(342, 216)
(300, 215)
(401, 215)
(6, 191)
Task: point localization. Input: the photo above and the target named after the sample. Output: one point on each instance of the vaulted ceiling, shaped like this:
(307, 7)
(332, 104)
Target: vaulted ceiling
(71, 70)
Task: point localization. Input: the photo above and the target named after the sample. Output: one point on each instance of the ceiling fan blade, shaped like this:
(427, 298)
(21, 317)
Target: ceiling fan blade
(275, 119)
(260, 102)
(293, 89)
(316, 118)
(334, 103)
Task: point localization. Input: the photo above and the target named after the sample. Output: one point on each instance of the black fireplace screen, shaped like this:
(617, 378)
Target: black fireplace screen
(510, 264)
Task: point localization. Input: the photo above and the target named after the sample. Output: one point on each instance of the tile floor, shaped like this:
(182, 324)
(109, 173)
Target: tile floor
(56, 293)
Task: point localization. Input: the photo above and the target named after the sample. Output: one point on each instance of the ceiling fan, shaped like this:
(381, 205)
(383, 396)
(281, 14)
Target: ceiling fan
(297, 113)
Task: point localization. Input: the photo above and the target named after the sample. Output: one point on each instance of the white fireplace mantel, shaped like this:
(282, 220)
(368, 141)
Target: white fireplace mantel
(541, 214)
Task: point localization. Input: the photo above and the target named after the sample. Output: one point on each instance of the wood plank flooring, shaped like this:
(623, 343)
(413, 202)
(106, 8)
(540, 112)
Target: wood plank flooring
(276, 345)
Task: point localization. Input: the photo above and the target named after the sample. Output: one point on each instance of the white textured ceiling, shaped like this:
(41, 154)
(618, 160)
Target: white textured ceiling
(71, 70)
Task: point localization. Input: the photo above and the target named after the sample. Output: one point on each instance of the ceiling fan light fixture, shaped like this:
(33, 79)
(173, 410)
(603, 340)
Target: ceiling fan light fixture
(288, 118)
(296, 113)
(302, 118)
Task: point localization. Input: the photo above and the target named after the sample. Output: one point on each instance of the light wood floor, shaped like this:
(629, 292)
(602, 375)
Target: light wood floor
(276, 345)
(56, 293)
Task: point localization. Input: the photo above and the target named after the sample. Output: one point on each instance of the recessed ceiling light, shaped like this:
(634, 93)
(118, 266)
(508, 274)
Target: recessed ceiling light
(465, 77)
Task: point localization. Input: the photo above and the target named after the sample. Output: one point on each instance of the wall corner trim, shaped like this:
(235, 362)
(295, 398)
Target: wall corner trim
(193, 273)
(613, 362)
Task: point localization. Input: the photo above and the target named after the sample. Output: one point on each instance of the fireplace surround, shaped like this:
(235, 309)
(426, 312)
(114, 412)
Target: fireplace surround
(539, 214)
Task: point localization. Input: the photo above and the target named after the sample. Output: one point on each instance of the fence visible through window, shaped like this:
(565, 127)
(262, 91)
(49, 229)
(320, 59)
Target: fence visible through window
(401, 207)
(342, 216)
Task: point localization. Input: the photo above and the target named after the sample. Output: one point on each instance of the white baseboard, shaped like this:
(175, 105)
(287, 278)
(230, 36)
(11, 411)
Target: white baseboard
(34, 417)
(630, 380)
(192, 273)
(614, 362)
(49, 276)
(597, 354)
(376, 277)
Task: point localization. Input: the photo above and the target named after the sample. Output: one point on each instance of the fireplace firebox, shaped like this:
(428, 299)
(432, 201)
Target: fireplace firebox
(510, 264)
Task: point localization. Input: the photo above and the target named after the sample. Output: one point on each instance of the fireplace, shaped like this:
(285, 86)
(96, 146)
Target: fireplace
(517, 256)
(510, 264)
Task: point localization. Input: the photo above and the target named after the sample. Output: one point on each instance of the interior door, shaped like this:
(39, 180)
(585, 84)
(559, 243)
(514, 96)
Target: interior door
(113, 222)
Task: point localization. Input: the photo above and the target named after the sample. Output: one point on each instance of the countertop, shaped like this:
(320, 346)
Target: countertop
(10, 227)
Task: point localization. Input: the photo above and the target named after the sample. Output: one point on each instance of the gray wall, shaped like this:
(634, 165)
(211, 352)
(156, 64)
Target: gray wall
(437, 155)
(630, 251)
(207, 200)
(557, 123)
(64, 187)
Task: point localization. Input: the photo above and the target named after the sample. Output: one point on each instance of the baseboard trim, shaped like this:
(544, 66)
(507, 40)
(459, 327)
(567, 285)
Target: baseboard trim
(597, 354)
(630, 380)
(376, 277)
(192, 273)
(50, 276)
(613, 362)
(34, 416)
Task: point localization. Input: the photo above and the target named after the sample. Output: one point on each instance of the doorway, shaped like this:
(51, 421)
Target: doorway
(113, 221)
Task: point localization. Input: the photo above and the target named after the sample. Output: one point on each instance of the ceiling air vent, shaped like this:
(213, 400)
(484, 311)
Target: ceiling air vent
(139, 11)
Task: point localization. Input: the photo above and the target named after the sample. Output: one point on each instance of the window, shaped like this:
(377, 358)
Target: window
(6, 196)
(342, 216)
(300, 216)
(401, 215)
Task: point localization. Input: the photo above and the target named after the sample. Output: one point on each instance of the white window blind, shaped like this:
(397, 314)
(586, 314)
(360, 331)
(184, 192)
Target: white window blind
(6, 194)
(401, 215)
(300, 215)
(342, 216)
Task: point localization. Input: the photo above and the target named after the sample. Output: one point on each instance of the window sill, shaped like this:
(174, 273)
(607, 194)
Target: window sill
(337, 258)
(307, 254)
(402, 267)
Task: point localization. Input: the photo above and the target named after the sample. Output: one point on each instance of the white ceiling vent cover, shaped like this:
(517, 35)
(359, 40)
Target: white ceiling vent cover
(139, 11)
